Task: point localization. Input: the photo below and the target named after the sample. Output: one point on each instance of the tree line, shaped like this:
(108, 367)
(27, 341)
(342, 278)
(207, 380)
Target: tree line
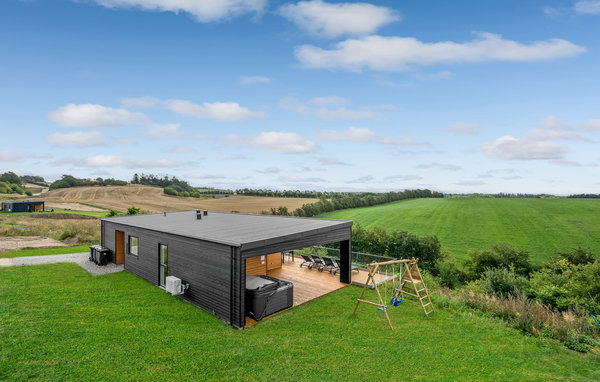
(171, 185)
(11, 183)
(67, 181)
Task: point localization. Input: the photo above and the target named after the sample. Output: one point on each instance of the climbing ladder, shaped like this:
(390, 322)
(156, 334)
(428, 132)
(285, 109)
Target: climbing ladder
(413, 279)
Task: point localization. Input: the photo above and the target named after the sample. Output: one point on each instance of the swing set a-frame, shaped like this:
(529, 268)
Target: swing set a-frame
(410, 278)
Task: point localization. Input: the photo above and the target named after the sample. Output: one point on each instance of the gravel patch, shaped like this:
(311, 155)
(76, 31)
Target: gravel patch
(78, 258)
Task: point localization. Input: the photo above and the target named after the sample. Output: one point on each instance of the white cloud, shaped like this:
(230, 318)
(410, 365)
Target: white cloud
(268, 170)
(333, 20)
(440, 166)
(9, 156)
(253, 80)
(399, 53)
(352, 134)
(203, 10)
(551, 12)
(588, 7)
(220, 111)
(509, 147)
(362, 179)
(391, 141)
(77, 138)
(591, 125)
(274, 141)
(201, 175)
(145, 102)
(91, 115)
(102, 160)
(538, 143)
(461, 128)
(156, 163)
(297, 179)
(328, 108)
(163, 131)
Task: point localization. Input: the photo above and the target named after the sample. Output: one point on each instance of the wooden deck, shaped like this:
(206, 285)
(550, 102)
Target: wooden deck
(309, 284)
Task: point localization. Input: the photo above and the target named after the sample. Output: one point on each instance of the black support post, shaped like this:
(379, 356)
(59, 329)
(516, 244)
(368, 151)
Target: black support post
(345, 261)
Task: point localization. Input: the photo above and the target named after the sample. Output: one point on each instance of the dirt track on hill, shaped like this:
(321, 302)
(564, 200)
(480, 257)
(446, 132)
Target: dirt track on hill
(153, 199)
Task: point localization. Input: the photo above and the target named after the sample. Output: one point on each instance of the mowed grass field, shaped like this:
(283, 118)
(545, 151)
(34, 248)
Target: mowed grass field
(57, 322)
(542, 227)
(153, 199)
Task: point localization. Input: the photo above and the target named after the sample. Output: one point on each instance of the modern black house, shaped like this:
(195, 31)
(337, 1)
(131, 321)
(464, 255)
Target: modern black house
(209, 251)
(27, 206)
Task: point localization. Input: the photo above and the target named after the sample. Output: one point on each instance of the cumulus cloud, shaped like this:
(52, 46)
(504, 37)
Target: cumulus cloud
(461, 128)
(440, 166)
(91, 115)
(588, 7)
(9, 156)
(297, 179)
(77, 138)
(102, 160)
(163, 131)
(273, 141)
(352, 134)
(591, 125)
(145, 102)
(538, 143)
(333, 20)
(328, 108)
(219, 111)
(253, 80)
(203, 11)
(508, 147)
(400, 53)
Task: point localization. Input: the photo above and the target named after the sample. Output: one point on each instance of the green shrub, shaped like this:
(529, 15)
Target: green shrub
(133, 210)
(449, 275)
(67, 234)
(580, 342)
(578, 256)
(28, 193)
(112, 213)
(501, 256)
(502, 282)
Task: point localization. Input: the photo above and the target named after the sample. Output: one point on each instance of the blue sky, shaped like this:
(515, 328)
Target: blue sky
(466, 96)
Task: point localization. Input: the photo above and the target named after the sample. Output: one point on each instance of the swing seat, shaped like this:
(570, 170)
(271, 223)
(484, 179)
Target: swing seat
(395, 301)
(380, 308)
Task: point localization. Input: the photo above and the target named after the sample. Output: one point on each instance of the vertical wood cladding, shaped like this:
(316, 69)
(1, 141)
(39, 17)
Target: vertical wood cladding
(204, 265)
(273, 261)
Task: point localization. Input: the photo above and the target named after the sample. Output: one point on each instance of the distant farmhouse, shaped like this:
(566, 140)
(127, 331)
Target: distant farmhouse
(27, 206)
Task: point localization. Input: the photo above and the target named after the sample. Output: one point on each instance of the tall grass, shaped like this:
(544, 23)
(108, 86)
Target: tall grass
(68, 230)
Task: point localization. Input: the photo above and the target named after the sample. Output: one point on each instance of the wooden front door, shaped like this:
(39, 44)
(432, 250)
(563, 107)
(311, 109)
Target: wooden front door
(38, 208)
(119, 247)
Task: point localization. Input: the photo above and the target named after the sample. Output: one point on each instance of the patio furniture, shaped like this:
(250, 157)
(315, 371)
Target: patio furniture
(330, 265)
(307, 261)
(318, 263)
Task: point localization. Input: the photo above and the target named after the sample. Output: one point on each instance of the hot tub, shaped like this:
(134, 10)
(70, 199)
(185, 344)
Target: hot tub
(266, 295)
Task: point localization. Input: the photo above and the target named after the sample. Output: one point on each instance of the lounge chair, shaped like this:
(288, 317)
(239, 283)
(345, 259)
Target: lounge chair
(307, 261)
(330, 265)
(318, 263)
(353, 268)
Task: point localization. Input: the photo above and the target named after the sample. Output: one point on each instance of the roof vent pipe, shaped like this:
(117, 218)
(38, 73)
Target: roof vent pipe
(198, 214)
(205, 213)
(165, 213)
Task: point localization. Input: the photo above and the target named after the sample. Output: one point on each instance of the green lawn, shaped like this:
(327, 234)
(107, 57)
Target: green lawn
(57, 322)
(44, 251)
(541, 226)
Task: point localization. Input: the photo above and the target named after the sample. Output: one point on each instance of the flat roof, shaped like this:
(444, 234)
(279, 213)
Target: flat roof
(231, 228)
(23, 201)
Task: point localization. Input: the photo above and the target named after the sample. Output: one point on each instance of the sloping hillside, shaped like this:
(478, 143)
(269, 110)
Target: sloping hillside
(541, 226)
(154, 200)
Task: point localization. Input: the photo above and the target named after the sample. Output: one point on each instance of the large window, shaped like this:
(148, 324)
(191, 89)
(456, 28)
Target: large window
(163, 252)
(133, 245)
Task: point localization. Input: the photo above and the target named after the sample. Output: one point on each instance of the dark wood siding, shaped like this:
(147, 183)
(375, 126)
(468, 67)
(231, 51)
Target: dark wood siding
(204, 265)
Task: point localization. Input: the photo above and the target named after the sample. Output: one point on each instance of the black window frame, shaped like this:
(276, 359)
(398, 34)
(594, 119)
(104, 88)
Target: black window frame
(129, 237)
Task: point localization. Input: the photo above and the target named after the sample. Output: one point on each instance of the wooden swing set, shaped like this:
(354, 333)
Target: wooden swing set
(411, 276)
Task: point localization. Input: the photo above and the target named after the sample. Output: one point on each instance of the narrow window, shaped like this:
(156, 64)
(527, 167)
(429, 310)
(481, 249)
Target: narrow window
(133, 245)
(163, 252)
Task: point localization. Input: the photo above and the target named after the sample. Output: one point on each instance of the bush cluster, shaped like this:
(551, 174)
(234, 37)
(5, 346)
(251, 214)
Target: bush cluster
(67, 181)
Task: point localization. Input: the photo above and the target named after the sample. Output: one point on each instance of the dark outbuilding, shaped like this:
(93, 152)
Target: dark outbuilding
(209, 250)
(27, 206)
